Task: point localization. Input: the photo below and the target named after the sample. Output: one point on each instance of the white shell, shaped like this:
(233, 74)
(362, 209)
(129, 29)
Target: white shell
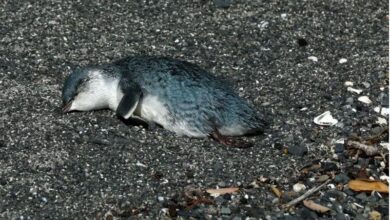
(365, 99)
(343, 60)
(313, 58)
(298, 187)
(358, 91)
(348, 83)
(325, 119)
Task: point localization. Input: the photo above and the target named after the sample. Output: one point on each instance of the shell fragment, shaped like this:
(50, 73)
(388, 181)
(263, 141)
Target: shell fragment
(325, 119)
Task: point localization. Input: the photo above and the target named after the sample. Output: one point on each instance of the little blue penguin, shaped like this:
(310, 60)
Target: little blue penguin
(177, 95)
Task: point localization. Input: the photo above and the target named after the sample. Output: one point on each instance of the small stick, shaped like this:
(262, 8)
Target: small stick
(305, 195)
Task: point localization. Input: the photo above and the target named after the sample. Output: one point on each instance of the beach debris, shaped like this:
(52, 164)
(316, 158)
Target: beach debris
(357, 91)
(365, 99)
(325, 119)
(368, 185)
(313, 58)
(315, 207)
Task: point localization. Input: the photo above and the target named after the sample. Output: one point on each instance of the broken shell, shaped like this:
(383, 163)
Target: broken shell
(358, 91)
(365, 99)
(348, 83)
(299, 187)
(325, 119)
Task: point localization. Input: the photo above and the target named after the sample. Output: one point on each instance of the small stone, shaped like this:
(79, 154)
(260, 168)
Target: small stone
(298, 187)
(383, 111)
(313, 58)
(381, 121)
(339, 148)
(374, 215)
(329, 166)
(342, 60)
(365, 100)
(360, 217)
(337, 207)
(341, 178)
(297, 150)
(384, 99)
(348, 83)
(221, 184)
(223, 3)
(341, 216)
(362, 196)
(323, 178)
(225, 211)
(302, 42)
(348, 192)
(349, 100)
(160, 199)
(357, 91)
(366, 84)
(305, 213)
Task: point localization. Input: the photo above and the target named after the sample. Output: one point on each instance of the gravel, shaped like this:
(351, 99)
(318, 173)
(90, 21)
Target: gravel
(93, 165)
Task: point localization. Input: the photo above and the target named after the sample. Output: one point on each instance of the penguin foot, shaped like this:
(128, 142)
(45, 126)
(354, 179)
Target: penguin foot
(230, 141)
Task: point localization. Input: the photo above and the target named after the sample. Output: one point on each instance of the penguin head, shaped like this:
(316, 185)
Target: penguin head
(90, 88)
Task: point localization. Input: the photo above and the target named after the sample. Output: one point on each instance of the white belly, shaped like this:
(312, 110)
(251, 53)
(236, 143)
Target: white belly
(152, 109)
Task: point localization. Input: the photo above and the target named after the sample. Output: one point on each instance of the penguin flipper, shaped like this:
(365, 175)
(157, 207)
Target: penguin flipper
(129, 102)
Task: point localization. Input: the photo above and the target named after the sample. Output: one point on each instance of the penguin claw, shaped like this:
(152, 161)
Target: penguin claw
(229, 141)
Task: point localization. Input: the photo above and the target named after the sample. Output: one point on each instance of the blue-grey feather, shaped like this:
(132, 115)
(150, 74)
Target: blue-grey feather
(191, 94)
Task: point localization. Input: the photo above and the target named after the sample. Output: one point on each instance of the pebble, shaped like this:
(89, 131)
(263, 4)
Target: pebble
(365, 99)
(341, 216)
(298, 187)
(385, 99)
(329, 166)
(225, 211)
(339, 148)
(362, 196)
(307, 214)
(313, 58)
(366, 84)
(323, 178)
(348, 83)
(381, 121)
(360, 217)
(341, 178)
(342, 60)
(297, 150)
(223, 3)
(349, 100)
(357, 91)
(383, 111)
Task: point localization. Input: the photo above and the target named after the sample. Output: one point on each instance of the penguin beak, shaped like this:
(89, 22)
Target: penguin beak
(66, 107)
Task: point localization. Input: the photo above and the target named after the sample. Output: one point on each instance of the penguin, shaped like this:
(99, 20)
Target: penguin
(177, 95)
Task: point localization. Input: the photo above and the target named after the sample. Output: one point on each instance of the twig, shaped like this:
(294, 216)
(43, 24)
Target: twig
(305, 195)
